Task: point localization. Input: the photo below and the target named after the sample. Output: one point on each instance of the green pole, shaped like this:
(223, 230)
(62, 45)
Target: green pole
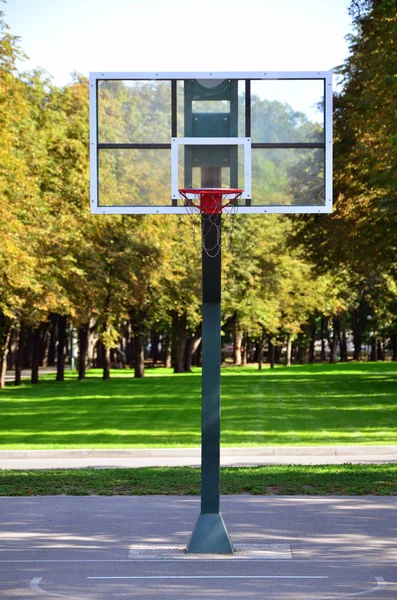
(211, 378)
(210, 535)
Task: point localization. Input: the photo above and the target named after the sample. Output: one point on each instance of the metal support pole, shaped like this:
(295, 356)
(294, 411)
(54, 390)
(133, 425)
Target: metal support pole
(211, 378)
(210, 535)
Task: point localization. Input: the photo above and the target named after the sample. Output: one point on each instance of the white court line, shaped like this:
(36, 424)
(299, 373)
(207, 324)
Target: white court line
(34, 585)
(381, 583)
(217, 577)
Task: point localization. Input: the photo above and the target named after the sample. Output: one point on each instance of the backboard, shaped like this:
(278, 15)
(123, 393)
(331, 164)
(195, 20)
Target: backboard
(268, 133)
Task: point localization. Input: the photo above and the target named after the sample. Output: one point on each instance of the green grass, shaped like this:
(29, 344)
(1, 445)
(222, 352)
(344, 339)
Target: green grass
(302, 405)
(275, 480)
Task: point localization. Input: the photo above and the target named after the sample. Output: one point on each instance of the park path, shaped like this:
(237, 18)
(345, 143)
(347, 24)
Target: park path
(173, 457)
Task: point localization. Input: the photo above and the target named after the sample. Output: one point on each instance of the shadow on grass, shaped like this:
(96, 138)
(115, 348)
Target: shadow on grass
(306, 405)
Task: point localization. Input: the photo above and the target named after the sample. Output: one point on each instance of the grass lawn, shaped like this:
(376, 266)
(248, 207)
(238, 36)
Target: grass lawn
(316, 480)
(300, 405)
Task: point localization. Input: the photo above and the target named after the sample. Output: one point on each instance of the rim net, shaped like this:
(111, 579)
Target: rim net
(205, 206)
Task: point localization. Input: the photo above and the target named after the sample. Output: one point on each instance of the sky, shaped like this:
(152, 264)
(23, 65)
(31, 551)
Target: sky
(62, 36)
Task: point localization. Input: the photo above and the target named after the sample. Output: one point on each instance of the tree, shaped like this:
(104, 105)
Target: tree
(148, 259)
(182, 291)
(358, 242)
(18, 190)
(61, 129)
(361, 231)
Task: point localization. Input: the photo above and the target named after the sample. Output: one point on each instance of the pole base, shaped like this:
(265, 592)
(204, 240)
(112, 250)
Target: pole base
(210, 536)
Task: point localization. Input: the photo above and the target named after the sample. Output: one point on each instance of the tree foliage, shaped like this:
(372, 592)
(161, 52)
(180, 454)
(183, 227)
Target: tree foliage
(282, 277)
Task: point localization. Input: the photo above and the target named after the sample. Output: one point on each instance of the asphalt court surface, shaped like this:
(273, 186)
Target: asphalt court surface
(295, 548)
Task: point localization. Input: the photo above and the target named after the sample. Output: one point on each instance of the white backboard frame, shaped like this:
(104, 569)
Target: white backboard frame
(96, 208)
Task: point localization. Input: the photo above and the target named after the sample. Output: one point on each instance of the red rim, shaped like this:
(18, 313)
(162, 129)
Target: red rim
(212, 200)
(204, 191)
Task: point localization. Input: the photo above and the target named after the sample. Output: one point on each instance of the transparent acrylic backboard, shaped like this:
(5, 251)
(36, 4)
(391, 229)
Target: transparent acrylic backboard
(269, 134)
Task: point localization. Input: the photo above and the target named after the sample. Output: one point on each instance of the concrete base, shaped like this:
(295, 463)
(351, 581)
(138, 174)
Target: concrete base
(173, 552)
(210, 536)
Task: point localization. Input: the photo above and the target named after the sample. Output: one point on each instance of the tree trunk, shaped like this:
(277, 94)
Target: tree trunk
(62, 341)
(251, 347)
(277, 354)
(83, 349)
(12, 348)
(260, 356)
(394, 346)
(129, 346)
(254, 356)
(192, 343)
(28, 349)
(53, 340)
(341, 331)
(138, 319)
(179, 357)
(244, 349)
(167, 352)
(237, 339)
(39, 341)
(260, 349)
(139, 352)
(373, 354)
(5, 332)
(19, 353)
(36, 356)
(289, 350)
(333, 341)
(198, 356)
(105, 361)
(324, 336)
(98, 355)
(272, 353)
(179, 338)
(154, 346)
(357, 334)
(312, 345)
(344, 356)
(301, 355)
(380, 350)
(44, 345)
(113, 358)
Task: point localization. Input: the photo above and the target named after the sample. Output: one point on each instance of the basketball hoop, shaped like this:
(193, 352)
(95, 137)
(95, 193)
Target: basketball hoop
(210, 201)
(206, 205)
